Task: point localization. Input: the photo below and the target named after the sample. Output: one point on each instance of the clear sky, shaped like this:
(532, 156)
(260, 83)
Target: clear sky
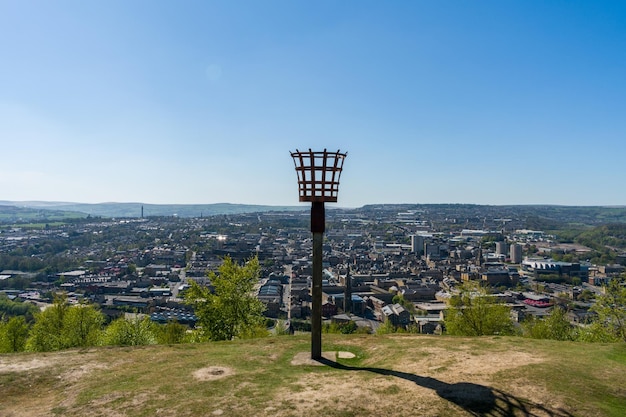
(486, 102)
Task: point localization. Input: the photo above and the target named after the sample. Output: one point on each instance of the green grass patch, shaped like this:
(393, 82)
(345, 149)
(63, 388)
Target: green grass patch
(401, 374)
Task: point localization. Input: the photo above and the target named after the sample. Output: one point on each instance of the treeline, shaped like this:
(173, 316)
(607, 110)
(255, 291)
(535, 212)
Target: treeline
(45, 264)
(64, 326)
(473, 312)
(229, 311)
(601, 237)
(606, 242)
(10, 308)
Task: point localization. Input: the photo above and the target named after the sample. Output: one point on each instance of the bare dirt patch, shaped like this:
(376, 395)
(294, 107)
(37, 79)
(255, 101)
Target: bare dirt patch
(437, 382)
(26, 365)
(76, 373)
(363, 396)
(19, 363)
(212, 373)
(465, 363)
(105, 405)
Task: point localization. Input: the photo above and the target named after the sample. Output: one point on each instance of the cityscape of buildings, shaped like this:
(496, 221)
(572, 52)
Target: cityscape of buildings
(384, 263)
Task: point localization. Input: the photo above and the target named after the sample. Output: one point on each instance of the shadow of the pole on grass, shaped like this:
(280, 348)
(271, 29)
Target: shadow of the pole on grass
(478, 400)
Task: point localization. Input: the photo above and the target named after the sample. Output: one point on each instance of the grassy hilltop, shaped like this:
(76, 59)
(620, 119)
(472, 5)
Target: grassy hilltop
(397, 375)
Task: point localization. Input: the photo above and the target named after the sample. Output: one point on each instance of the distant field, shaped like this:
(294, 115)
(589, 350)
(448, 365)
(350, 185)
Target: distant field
(28, 217)
(537, 217)
(395, 375)
(37, 225)
(117, 210)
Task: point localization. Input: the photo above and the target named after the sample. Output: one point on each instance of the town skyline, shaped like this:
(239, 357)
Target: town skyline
(435, 103)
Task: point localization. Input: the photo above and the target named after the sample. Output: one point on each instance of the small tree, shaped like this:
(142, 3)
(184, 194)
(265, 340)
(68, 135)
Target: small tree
(232, 310)
(408, 305)
(171, 333)
(341, 328)
(13, 334)
(62, 326)
(611, 308)
(82, 326)
(596, 332)
(10, 308)
(130, 332)
(586, 296)
(473, 312)
(555, 326)
(47, 332)
(386, 328)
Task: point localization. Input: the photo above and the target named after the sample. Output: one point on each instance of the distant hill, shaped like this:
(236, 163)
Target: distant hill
(540, 217)
(600, 237)
(13, 214)
(134, 209)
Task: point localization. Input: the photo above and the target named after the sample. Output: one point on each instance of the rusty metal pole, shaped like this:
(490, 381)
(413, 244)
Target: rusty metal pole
(317, 228)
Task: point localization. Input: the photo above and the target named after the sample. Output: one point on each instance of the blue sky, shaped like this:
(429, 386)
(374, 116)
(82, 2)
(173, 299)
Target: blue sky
(488, 102)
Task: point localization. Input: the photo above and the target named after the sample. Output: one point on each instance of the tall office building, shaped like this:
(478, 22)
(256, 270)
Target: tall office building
(417, 244)
(501, 248)
(432, 251)
(516, 253)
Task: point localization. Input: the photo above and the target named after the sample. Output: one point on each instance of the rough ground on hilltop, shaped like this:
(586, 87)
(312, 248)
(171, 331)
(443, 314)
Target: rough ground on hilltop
(428, 379)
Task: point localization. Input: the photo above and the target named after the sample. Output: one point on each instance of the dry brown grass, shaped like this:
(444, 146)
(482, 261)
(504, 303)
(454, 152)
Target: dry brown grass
(396, 375)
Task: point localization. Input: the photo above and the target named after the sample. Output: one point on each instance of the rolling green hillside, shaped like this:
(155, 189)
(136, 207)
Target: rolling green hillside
(134, 209)
(610, 235)
(21, 215)
(399, 375)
